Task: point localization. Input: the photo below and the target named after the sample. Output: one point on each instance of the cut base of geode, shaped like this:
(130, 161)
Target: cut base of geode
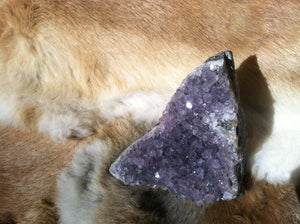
(195, 151)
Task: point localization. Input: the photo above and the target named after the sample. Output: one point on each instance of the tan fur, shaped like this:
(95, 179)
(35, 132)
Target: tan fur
(108, 49)
(69, 69)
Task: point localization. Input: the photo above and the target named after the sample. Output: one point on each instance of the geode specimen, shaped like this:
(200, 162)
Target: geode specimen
(196, 151)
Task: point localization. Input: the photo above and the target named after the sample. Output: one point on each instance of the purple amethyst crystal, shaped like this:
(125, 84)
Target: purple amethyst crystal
(196, 151)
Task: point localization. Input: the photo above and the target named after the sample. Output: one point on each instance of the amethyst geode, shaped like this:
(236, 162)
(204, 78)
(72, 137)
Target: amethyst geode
(196, 151)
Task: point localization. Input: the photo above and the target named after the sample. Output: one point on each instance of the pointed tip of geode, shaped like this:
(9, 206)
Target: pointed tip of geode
(227, 55)
(196, 152)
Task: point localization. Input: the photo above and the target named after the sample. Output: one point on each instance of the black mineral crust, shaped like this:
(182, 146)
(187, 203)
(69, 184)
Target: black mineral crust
(195, 151)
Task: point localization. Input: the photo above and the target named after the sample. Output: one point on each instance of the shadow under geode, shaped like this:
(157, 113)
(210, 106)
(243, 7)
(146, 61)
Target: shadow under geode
(257, 103)
(295, 179)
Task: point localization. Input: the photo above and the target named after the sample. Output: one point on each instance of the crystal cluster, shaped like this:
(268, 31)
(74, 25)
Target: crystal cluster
(196, 151)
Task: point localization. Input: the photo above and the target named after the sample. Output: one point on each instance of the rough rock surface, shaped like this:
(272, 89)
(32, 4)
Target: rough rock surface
(195, 151)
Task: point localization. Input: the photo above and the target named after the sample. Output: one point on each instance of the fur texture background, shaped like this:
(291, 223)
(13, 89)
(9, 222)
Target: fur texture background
(102, 72)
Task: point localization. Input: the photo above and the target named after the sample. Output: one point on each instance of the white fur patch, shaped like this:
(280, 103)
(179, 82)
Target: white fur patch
(144, 107)
(279, 156)
(79, 191)
(64, 124)
(8, 108)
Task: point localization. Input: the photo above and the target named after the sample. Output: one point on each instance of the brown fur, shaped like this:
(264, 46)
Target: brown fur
(262, 202)
(30, 165)
(43, 213)
(60, 57)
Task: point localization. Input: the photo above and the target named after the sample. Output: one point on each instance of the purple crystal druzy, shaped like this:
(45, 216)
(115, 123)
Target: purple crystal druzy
(195, 151)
